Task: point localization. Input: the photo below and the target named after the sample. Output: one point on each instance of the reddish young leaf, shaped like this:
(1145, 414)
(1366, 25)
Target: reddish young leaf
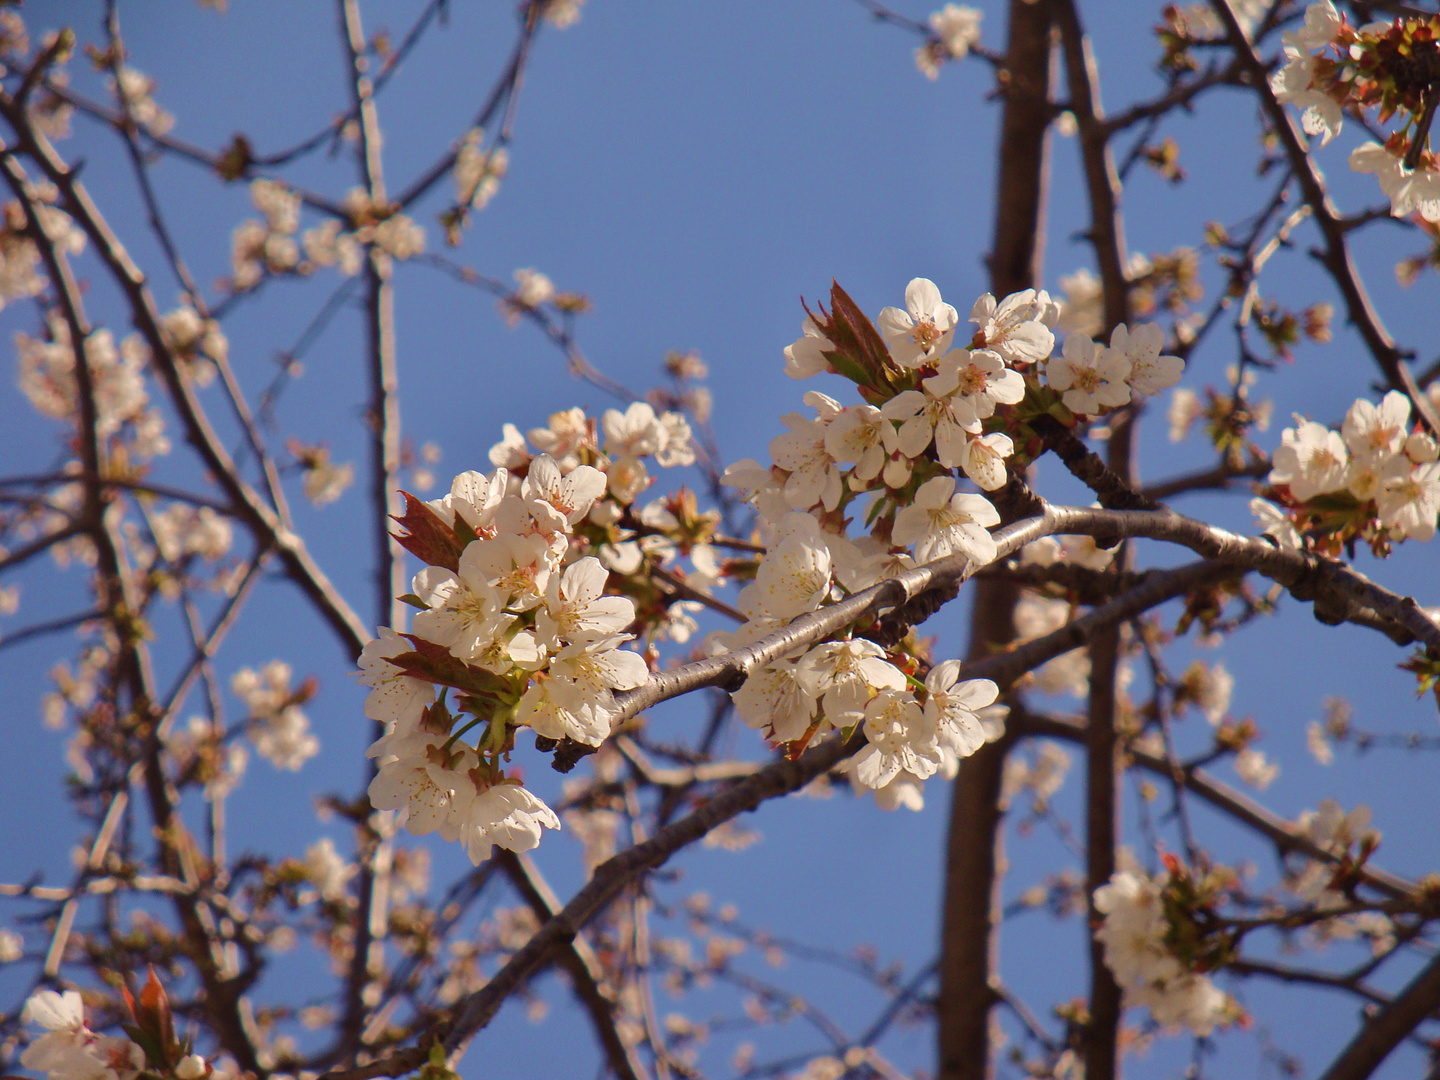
(869, 347)
(427, 537)
(435, 663)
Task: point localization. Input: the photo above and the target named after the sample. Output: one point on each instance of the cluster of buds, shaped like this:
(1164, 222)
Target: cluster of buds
(1388, 69)
(266, 247)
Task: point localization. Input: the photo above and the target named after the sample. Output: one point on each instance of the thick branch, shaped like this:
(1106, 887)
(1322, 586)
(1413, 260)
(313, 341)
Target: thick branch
(1380, 1035)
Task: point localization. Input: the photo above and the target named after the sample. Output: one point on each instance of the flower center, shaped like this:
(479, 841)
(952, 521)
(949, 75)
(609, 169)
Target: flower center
(973, 381)
(925, 333)
(1087, 379)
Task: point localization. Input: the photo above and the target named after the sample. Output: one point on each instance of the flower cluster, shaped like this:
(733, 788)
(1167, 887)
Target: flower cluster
(269, 246)
(930, 409)
(956, 30)
(277, 726)
(117, 384)
(1377, 479)
(71, 1051)
(1092, 378)
(1383, 66)
(477, 176)
(1151, 947)
(379, 227)
(136, 91)
(20, 275)
(197, 343)
(519, 615)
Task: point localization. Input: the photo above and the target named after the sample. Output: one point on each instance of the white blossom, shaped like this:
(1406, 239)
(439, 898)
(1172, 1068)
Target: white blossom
(1409, 190)
(1255, 769)
(794, 575)
(844, 675)
(1150, 372)
(1185, 409)
(953, 707)
(327, 870)
(923, 417)
(1311, 459)
(983, 460)
(1374, 432)
(277, 726)
(1276, 524)
(958, 28)
(532, 288)
(978, 380)
(1090, 377)
(773, 698)
(922, 331)
(861, 436)
(814, 476)
(940, 522)
(900, 740)
(1409, 498)
(1018, 327)
(806, 357)
(576, 609)
(504, 815)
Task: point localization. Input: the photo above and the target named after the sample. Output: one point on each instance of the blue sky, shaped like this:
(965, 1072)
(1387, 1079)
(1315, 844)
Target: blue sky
(695, 169)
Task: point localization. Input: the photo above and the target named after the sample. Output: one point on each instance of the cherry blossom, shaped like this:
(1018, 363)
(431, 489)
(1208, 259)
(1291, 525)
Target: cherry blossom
(952, 707)
(1255, 768)
(805, 357)
(958, 28)
(941, 522)
(1018, 327)
(418, 775)
(1311, 460)
(69, 1050)
(983, 460)
(1409, 190)
(1150, 372)
(1134, 935)
(861, 436)
(1409, 498)
(801, 452)
(844, 675)
(979, 380)
(794, 576)
(570, 496)
(900, 740)
(773, 699)
(327, 870)
(924, 418)
(1294, 84)
(923, 329)
(577, 612)
(1091, 377)
(1377, 431)
(1277, 525)
(504, 815)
